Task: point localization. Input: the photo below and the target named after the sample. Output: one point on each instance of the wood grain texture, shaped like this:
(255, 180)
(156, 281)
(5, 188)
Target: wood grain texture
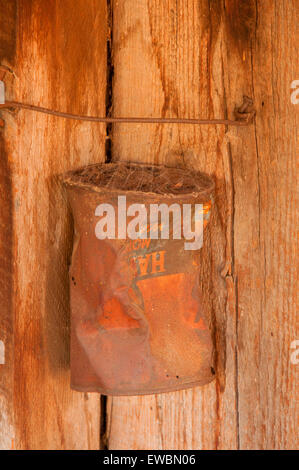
(176, 58)
(169, 54)
(197, 59)
(60, 63)
(266, 231)
(8, 12)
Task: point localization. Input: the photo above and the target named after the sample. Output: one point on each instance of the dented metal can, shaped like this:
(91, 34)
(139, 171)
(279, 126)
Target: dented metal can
(138, 323)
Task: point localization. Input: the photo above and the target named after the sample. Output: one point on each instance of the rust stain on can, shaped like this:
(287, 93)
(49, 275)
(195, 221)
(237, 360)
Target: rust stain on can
(137, 320)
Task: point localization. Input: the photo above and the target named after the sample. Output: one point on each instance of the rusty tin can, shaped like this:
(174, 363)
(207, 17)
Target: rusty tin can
(138, 323)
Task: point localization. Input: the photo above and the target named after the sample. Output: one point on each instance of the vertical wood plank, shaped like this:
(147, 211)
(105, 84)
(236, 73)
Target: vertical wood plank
(265, 230)
(61, 64)
(8, 15)
(197, 59)
(170, 54)
(172, 58)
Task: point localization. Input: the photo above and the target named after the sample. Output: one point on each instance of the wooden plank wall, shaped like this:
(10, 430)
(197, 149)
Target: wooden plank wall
(60, 62)
(172, 58)
(197, 58)
(7, 53)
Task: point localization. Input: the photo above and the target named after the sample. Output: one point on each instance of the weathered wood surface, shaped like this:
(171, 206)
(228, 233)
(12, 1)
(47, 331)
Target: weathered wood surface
(174, 58)
(197, 58)
(265, 231)
(59, 62)
(165, 47)
(7, 52)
